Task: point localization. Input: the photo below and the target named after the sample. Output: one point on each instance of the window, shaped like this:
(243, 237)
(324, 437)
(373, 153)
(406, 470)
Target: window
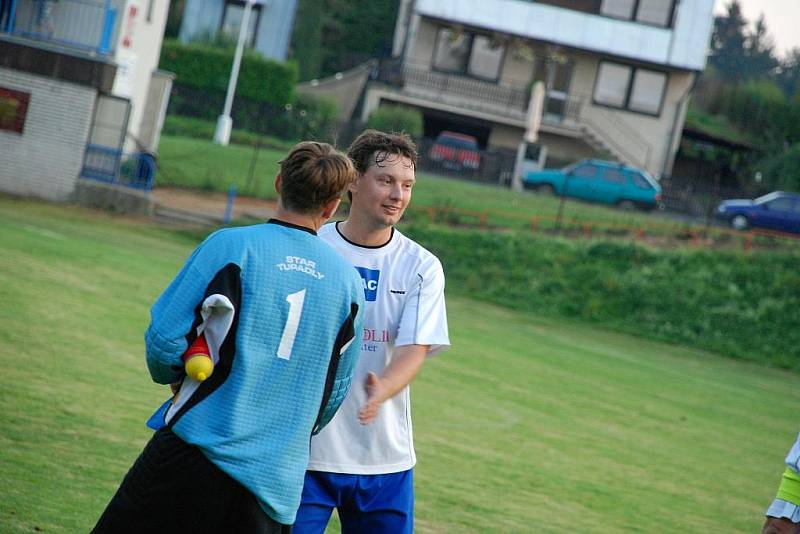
(648, 88)
(612, 84)
(486, 58)
(779, 204)
(614, 176)
(232, 21)
(467, 53)
(13, 109)
(452, 50)
(585, 171)
(631, 88)
(641, 182)
(620, 9)
(654, 12)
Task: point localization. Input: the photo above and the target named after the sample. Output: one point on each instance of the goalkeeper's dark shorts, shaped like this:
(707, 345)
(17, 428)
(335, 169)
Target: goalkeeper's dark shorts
(172, 487)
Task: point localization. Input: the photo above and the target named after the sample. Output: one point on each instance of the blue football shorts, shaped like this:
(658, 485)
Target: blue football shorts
(365, 503)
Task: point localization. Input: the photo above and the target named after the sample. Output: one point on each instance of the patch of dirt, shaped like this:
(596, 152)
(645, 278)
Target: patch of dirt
(212, 205)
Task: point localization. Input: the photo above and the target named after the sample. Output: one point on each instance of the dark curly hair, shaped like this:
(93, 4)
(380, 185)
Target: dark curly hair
(374, 147)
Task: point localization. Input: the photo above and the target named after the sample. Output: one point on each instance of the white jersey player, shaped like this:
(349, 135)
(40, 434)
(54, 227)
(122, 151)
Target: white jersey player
(361, 463)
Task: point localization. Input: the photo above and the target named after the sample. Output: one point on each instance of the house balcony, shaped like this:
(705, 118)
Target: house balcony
(85, 27)
(569, 115)
(496, 102)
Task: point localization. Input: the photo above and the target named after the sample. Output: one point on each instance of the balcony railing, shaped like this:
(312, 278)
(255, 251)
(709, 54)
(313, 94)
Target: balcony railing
(86, 25)
(574, 112)
(505, 100)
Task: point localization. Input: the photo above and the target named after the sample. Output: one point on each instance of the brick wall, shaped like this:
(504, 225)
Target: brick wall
(45, 160)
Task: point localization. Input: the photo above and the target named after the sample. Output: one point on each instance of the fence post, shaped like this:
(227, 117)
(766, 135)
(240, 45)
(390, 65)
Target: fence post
(747, 242)
(229, 206)
(534, 224)
(483, 218)
(431, 214)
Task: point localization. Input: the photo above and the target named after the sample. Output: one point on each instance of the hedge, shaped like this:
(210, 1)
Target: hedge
(743, 306)
(206, 67)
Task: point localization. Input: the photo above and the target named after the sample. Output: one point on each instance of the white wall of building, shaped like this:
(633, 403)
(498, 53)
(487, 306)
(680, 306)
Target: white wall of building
(45, 160)
(137, 53)
(683, 46)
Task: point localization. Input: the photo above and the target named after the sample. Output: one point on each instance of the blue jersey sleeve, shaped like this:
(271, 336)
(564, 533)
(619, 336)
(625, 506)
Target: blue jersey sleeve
(177, 310)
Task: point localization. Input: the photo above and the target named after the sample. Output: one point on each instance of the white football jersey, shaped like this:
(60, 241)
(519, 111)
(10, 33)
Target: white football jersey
(404, 294)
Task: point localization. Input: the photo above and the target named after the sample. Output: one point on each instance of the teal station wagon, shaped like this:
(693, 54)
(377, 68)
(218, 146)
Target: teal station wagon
(599, 181)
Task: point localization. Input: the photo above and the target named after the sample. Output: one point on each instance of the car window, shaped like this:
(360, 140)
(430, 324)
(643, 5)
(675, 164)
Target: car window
(640, 181)
(614, 176)
(585, 171)
(779, 204)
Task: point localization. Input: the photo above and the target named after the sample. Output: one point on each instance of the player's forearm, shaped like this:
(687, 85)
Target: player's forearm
(401, 371)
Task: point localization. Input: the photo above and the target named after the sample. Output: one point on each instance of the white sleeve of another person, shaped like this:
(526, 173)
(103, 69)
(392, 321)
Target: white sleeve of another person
(424, 319)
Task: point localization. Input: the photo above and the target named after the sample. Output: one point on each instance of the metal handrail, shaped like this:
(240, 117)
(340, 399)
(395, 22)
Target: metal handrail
(611, 130)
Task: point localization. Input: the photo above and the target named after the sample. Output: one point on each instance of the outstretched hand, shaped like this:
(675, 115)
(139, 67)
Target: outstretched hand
(375, 389)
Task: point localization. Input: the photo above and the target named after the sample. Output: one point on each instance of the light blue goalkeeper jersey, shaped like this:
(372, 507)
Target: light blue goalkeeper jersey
(285, 364)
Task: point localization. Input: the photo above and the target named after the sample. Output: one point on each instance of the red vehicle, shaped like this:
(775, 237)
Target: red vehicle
(456, 151)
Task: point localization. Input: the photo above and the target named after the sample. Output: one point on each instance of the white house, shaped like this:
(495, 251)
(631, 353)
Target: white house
(617, 72)
(78, 86)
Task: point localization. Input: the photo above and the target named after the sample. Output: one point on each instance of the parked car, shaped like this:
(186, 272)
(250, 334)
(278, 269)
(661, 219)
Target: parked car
(599, 181)
(776, 211)
(456, 151)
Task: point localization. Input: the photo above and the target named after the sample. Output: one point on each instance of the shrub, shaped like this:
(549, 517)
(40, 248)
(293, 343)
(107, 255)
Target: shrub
(737, 305)
(207, 67)
(782, 171)
(397, 119)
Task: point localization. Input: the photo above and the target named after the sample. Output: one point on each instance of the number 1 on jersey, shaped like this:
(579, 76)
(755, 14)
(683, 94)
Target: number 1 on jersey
(295, 301)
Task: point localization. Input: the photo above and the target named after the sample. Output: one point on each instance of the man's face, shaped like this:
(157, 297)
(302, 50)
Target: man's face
(384, 191)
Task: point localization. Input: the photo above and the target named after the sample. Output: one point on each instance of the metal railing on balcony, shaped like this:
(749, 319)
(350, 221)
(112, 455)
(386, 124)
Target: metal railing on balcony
(602, 128)
(86, 25)
(477, 95)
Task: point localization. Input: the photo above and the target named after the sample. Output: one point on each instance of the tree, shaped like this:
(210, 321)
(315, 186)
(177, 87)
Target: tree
(336, 35)
(788, 75)
(760, 61)
(306, 47)
(728, 42)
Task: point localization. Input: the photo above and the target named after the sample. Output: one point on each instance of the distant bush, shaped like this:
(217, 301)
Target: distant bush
(744, 306)
(306, 117)
(397, 119)
(207, 67)
(782, 171)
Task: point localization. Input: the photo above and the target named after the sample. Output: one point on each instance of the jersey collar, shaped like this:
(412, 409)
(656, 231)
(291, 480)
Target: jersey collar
(336, 225)
(290, 225)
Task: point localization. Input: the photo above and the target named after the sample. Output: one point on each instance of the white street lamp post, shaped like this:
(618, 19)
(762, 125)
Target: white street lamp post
(222, 134)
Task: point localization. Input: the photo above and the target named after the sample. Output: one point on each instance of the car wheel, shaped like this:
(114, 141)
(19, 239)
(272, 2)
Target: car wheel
(545, 189)
(626, 205)
(740, 222)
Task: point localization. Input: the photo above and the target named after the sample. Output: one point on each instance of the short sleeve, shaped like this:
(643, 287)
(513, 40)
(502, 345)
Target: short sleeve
(424, 317)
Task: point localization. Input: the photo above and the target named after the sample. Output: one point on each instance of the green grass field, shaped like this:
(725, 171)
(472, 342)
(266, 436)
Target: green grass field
(525, 425)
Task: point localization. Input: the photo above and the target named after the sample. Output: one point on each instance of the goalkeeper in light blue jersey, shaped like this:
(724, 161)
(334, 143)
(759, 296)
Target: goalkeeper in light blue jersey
(282, 314)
